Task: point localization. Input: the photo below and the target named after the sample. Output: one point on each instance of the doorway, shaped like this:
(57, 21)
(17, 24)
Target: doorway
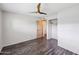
(41, 28)
(52, 28)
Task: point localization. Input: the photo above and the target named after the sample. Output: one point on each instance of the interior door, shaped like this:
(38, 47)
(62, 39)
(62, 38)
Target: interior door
(41, 28)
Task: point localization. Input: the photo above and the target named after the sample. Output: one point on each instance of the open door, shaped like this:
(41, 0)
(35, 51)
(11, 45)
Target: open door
(42, 35)
(41, 28)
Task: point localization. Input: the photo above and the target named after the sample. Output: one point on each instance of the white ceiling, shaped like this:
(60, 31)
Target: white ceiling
(27, 8)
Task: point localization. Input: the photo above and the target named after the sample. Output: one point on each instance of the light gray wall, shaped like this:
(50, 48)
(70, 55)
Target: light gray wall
(0, 30)
(18, 28)
(68, 29)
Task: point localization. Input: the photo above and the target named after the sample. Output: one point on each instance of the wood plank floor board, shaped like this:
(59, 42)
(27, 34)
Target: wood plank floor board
(36, 47)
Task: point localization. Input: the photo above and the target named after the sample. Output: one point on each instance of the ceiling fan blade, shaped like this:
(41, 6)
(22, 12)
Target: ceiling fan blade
(38, 10)
(43, 13)
(38, 7)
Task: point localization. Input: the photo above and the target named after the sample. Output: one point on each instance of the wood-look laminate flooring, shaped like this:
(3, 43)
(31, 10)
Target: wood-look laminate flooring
(36, 47)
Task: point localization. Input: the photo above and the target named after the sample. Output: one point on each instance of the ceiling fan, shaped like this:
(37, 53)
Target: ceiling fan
(38, 9)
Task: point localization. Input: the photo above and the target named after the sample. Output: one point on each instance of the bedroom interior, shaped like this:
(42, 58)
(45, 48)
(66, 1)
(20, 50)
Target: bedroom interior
(39, 28)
